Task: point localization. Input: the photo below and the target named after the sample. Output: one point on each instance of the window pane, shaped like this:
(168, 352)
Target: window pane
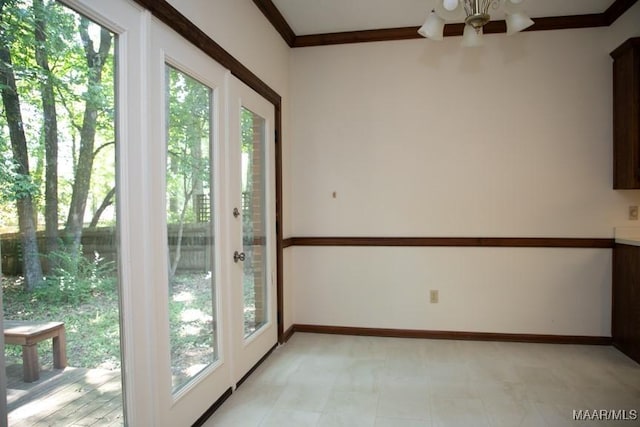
(192, 319)
(58, 220)
(253, 224)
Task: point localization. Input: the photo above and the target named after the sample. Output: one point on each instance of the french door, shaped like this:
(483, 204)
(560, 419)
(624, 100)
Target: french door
(187, 99)
(211, 169)
(252, 194)
(196, 221)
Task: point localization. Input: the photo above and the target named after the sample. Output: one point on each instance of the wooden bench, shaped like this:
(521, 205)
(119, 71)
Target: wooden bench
(28, 335)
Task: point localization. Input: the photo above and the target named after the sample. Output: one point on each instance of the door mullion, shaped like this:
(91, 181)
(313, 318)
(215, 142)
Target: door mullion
(3, 377)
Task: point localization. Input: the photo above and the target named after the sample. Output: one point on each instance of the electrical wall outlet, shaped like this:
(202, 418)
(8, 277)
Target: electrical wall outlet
(433, 296)
(633, 213)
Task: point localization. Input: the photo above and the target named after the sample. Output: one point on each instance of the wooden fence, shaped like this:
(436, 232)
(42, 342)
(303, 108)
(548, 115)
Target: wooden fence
(195, 249)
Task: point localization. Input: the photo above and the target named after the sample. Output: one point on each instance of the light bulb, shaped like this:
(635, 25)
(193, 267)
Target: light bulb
(451, 5)
(513, 6)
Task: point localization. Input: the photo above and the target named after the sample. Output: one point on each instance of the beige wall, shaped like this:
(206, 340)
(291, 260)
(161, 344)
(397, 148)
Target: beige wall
(380, 124)
(419, 138)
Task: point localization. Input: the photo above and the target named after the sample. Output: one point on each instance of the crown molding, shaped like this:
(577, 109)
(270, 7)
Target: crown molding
(175, 20)
(277, 20)
(616, 10)
(271, 12)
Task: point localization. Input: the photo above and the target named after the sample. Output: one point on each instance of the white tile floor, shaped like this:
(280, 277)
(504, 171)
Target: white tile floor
(332, 380)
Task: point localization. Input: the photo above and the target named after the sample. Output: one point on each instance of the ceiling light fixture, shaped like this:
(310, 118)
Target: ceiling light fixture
(477, 16)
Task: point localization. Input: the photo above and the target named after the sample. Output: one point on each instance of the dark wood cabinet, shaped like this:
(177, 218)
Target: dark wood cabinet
(626, 115)
(626, 300)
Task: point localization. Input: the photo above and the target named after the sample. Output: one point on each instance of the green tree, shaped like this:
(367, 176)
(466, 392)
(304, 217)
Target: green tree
(188, 147)
(50, 120)
(94, 101)
(56, 71)
(23, 189)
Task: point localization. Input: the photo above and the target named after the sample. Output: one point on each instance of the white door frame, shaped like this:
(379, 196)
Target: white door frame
(186, 405)
(137, 254)
(3, 377)
(130, 22)
(248, 352)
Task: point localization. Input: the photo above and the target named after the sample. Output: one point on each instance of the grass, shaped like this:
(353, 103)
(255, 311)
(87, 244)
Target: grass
(91, 322)
(91, 316)
(85, 298)
(191, 323)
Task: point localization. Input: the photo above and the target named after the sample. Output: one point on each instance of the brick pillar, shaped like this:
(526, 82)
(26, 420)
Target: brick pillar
(257, 218)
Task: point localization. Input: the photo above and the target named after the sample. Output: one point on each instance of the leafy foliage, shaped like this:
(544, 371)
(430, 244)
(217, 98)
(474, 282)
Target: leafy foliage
(83, 292)
(80, 291)
(92, 322)
(91, 318)
(188, 143)
(69, 72)
(13, 184)
(76, 279)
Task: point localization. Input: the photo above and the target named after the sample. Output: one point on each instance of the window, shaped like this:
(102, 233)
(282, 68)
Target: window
(190, 227)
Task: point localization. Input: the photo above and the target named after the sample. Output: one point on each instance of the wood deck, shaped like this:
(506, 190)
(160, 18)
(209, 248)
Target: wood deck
(65, 397)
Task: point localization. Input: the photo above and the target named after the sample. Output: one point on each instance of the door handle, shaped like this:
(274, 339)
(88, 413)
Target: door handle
(238, 256)
(236, 213)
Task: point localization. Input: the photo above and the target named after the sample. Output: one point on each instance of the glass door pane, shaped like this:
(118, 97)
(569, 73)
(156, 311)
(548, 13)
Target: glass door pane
(187, 171)
(192, 319)
(58, 216)
(253, 290)
(254, 235)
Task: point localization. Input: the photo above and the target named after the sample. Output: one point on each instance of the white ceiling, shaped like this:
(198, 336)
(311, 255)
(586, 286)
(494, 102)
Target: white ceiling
(330, 16)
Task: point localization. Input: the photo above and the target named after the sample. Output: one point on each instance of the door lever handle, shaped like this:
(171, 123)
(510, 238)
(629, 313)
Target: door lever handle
(238, 256)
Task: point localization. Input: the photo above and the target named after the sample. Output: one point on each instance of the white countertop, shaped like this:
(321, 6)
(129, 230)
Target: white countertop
(628, 235)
